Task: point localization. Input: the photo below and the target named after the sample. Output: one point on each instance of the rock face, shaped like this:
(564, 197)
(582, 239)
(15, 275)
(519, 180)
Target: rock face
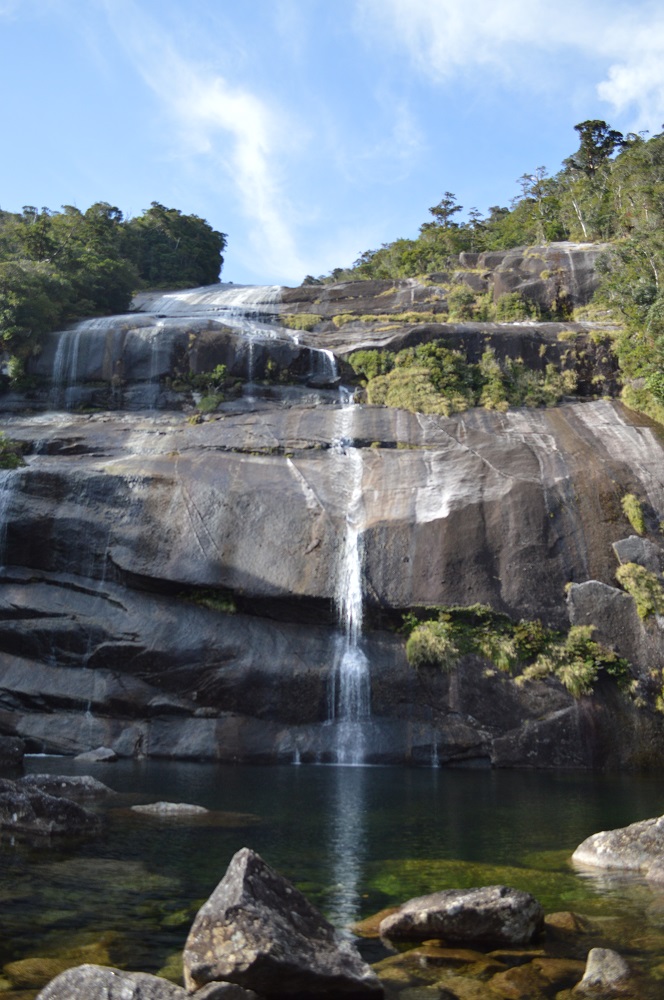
(258, 931)
(171, 588)
(493, 915)
(638, 847)
(35, 813)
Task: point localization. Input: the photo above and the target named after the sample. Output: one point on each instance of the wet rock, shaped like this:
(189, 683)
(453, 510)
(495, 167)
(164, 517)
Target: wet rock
(102, 755)
(638, 847)
(65, 786)
(606, 973)
(173, 809)
(490, 915)
(95, 982)
(12, 750)
(258, 931)
(35, 813)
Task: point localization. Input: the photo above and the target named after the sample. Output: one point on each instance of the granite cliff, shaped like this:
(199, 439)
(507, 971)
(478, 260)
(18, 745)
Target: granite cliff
(171, 577)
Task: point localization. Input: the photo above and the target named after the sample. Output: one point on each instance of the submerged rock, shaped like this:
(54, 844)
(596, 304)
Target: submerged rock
(259, 931)
(174, 809)
(638, 847)
(489, 915)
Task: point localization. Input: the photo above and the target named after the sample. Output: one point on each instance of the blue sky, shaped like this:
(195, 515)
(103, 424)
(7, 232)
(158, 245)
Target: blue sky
(310, 130)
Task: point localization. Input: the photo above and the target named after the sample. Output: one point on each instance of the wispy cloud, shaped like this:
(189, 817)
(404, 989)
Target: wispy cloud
(238, 131)
(445, 37)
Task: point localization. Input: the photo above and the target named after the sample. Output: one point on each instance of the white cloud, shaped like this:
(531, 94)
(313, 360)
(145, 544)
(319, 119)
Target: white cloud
(445, 37)
(229, 126)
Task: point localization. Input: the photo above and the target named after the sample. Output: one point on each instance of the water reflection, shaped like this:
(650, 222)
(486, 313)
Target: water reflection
(347, 843)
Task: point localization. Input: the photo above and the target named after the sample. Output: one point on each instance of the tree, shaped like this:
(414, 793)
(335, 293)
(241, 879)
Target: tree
(172, 249)
(598, 142)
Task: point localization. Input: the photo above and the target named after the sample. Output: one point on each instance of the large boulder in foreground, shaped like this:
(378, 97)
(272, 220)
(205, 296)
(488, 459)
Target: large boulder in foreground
(491, 915)
(258, 931)
(638, 847)
(65, 786)
(31, 812)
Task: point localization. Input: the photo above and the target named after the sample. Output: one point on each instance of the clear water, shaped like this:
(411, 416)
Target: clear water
(354, 839)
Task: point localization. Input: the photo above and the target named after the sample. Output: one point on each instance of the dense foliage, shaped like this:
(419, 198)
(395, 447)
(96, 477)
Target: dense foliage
(57, 266)
(439, 637)
(595, 196)
(432, 378)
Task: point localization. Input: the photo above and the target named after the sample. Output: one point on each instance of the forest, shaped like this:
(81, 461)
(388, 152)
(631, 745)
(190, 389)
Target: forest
(58, 266)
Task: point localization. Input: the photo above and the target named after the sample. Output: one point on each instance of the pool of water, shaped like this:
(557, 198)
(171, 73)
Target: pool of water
(354, 839)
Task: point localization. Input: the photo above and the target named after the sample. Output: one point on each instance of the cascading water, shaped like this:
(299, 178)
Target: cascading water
(8, 481)
(350, 690)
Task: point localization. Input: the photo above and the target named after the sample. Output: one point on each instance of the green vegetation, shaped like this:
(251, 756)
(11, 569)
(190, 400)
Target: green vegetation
(214, 600)
(633, 511)
(448, 633)
(58, 266)
(432, 378)
(299, 321)
(610, 190)
(10, 453)
(644, 587)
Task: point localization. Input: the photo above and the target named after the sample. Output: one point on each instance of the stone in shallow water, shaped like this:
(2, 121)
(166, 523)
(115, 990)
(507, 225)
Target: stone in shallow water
(102, 755)
(94, 982)
(170, 809)
(492, 914)
(637, 847)
(259, 931)
(606, 971)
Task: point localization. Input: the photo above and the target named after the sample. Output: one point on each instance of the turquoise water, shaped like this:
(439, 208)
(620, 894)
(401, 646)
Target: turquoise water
(353, 839)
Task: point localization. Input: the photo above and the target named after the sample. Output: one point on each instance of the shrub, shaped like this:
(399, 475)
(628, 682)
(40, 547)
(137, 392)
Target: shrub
(299, 321)
(370, 364)
(577, 661)
(10, 453)
(430, 644)
(512, 306)
(461, 302)
(644, 587)
(633, 511)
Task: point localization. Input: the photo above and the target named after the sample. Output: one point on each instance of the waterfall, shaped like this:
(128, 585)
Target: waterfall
(323, 370)
(350, 690)
(65, 366)
(7, 481)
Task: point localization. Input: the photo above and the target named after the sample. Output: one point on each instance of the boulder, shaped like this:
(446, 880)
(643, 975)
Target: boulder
(96, 982)
(35, 813)
(637, 847)
(491, 915)
(258, 931)
(65, 786)
(607, 972)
